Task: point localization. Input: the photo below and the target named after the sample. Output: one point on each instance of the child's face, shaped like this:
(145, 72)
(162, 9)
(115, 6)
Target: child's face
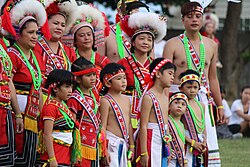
(178, 107)
(190, 89)
(88, 80)
(118, 83)
(64, 91)
(167, 77)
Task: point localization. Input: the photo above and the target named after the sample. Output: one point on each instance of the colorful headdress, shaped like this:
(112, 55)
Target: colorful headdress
(16, 13)
(63, 7)
(178, 95)
(211, 18)
(108, 77)
(84, 72)
(159, 66)
(88, 16)
(191, 7)
(189, 77)
(145, 22)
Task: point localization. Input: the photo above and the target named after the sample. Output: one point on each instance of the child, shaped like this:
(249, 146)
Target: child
(84, 102)
(153, 137)
(115, 112)
(177, 107)
(194, 120)
(57, 121)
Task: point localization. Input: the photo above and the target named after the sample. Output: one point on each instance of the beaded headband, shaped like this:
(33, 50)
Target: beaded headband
(159, 66)
(108, 77)
(178, 95)
(189, 77)
(84, 72)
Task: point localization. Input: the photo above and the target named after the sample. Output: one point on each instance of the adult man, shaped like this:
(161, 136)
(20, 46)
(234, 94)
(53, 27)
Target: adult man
(117, 45)
(198, 53)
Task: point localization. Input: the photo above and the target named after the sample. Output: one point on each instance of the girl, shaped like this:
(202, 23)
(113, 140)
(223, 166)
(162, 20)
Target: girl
(87, 21)
(26, 17)
(143, 31)
(57, 121)
(84, 102)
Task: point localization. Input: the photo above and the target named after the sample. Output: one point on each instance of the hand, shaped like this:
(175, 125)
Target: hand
(144, 161)
(198, 146)
(221, 116)
(105, 160)
(204, 146)
(53, 163)
(19, 125)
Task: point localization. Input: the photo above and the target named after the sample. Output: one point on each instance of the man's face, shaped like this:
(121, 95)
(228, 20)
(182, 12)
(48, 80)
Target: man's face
(192, 21)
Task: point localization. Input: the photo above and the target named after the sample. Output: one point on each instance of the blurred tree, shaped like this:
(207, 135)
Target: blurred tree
(232, 61)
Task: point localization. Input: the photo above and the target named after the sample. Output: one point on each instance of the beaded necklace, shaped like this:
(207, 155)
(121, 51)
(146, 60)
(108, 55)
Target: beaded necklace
(68, 120)
(181, 133)
(36, 77)
(93, 97)
(188, 54)
(92, 59)
(6, 62)
(196, 119)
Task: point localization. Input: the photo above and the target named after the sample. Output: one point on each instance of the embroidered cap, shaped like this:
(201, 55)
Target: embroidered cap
(189, 77)
(178, 95)
(159, 66)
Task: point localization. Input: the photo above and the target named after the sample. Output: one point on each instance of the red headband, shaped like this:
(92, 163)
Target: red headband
(84, 72)
(158, 67)
(108, 77)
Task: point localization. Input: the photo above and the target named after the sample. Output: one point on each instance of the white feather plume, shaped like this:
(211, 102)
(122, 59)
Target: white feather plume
(152, 20)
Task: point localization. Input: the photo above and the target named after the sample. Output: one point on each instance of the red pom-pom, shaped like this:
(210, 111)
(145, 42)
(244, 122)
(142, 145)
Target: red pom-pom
(52, 8)
(6, 20)
(125, 27)
(45, 30)
(107, 27)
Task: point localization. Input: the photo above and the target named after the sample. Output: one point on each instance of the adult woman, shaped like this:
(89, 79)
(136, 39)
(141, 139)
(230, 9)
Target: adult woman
(54, 54)
(143, 29)
(26, 18)
(86, 22)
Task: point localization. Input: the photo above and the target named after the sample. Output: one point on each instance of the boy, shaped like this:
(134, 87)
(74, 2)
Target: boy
(115, 110)
(177, 107)
(153, 137)
(194, 120)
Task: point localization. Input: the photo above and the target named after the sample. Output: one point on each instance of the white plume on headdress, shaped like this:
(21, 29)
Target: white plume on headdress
(154, 21)
(28, 7)
(87, 11)
(211, 17)
(203, 3)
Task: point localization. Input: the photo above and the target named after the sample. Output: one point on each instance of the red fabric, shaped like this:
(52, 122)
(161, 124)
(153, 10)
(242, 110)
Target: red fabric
(130, 74)
(20, 70)
(3, 44)
(3, 129)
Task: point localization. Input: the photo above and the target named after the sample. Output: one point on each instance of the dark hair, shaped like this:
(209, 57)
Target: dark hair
(25, 25)
(81, 64)
(245, 87)
(132, 49)
(93, 34)
(163, 68)
(60, 77)
(2, 8)
(177, 98)
(110, 68)
(189, 7)
(187, 72)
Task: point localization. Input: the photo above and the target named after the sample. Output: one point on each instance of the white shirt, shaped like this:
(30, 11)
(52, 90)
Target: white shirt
(235, 119)
(227, 110)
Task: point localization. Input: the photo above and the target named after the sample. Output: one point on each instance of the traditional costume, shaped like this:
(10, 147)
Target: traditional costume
(178, 135)
(7, 151)
(26, 76)
(138, 74)
(89, 16)
(86, 110)
(65, 55)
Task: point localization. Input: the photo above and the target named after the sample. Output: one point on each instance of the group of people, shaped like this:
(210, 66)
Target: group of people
(103, 99)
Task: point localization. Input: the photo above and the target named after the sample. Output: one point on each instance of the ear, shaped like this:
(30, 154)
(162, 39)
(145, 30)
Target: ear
(78, 80)
(158, 74)
(107, 84)
(55, 89)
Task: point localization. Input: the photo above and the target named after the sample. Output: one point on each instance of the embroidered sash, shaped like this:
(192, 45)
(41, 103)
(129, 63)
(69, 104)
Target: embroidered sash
(125, 42)
(175, 145)
(87, 107)
(191, 126)
(119, 116)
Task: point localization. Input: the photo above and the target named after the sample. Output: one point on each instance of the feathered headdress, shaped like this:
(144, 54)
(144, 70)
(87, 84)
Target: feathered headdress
(145, 22)
(211, 18)
(66, 8)
(16, 13)
(87, 15)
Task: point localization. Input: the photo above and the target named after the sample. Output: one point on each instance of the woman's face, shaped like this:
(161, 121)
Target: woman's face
(57, 25)
(209, 28)
(84, 38)
(29, 35)
(143, 43)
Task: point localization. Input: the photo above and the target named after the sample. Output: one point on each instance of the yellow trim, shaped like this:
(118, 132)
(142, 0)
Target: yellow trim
(88, 152)
(22, 92)
(30, 124)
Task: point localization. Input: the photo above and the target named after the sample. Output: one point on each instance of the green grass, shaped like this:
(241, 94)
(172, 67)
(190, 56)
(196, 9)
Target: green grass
(235, 152)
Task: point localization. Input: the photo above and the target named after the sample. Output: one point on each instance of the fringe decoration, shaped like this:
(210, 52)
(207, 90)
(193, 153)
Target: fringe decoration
(76, 154)
(88, 153)
(41, 145)
(102, 143)
(30, 124)
(106, 23)
(211, 114)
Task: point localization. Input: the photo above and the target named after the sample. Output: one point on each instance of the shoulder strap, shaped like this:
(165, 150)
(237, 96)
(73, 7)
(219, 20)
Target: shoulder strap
(191, 126)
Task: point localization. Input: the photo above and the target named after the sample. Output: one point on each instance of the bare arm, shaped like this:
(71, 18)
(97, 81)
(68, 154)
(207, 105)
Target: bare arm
(242, 115)
(48, 140)
(168, 51)
(214, 85)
